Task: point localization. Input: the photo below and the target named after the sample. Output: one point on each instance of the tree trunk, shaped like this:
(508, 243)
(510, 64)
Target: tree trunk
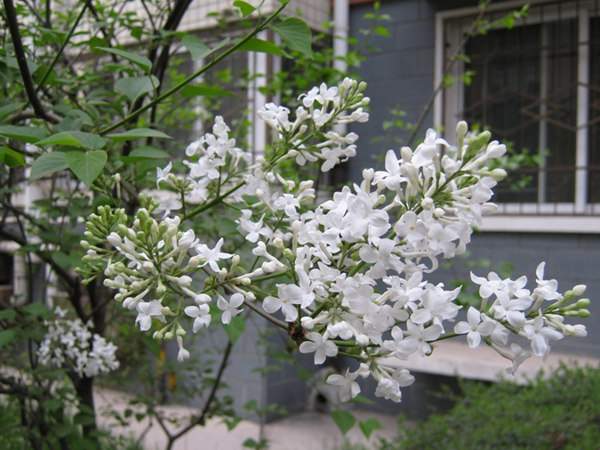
(85, 392)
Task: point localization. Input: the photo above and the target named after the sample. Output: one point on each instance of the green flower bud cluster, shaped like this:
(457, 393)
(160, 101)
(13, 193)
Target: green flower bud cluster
(97, 228)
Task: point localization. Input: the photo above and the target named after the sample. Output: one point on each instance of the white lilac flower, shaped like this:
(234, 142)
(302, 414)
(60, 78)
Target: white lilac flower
(182, 353)
(347, 386)
(476, 327)
(230, 307)
(212, 256)
(200, 314)
(320, 346)
(540, 335)
(347, 272)
(147, 310)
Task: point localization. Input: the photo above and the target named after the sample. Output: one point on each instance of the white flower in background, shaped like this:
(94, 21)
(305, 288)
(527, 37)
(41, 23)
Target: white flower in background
(230, 307)
(70, 344)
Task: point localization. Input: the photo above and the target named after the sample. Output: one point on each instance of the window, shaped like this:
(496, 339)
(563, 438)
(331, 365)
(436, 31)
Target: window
(537, 87)
(6, 278)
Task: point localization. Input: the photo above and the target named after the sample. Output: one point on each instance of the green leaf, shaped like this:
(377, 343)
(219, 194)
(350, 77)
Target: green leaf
(260, 45)
(235, 328)
(369, 425)
(146, 152)
(141, 61)
(195, 46)
(204, 90)
(133, 87)
(6, 337)
(7, 314)
(245, 8)
(295, 33)
(86, 165)
(343, 419)
(138, 133)
(22, 133)
(10, 108)
(47, 164)
(77, 139)
(11, 158)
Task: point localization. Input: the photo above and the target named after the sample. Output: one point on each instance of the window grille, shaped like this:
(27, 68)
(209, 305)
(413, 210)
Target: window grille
(536, 86)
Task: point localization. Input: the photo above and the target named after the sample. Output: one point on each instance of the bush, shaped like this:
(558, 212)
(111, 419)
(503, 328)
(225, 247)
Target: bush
(562, 412)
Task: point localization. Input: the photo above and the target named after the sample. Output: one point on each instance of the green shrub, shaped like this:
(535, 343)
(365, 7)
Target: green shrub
(562, 412)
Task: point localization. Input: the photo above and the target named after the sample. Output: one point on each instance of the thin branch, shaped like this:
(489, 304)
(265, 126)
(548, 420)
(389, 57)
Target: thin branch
(270, 318)
(152, 24)
(211, 397)
(13, 26)
(196, 74)
(62, 47)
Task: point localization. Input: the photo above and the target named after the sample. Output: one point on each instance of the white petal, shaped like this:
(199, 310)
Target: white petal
(474, 339)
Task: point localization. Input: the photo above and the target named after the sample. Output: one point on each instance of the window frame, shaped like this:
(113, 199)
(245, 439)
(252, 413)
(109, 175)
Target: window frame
(450, 26)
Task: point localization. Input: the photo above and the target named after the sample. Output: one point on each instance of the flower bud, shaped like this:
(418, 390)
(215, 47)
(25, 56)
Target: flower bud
(438, 212)
(427, 203)
(308, 323)
(278, 243)
(579, 290)
(498, 174)
(583, 303)
(406, 154)
(169, 335)
(461, 129)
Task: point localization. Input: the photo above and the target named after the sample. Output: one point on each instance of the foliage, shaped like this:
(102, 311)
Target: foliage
(561, 412)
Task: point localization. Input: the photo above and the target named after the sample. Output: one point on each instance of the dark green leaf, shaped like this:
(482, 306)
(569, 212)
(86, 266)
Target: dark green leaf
(47, 164)
(138, 133)
(133, 87)
(195, 46)
(295, 33)
(22, 133)
(141, 61)
(245, 8)
(86, 165)
(369, 425)
(78, 139)
(343, 419)
(6, 337)
(260, 45)
(11, 158)
(235, 328)
(204, 90)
